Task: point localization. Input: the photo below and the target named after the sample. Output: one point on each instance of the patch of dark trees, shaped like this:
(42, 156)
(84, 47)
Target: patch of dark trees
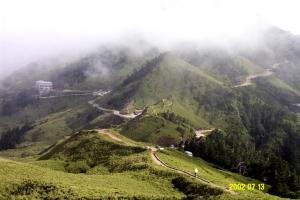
(72, 74)
(142, 72)
(262, 141)
(195, 190)
(11, 138)
(14, 104)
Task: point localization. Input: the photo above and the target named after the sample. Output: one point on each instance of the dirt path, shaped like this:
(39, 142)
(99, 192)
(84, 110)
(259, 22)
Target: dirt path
(115, 112)
(154, 157)
(200, 132)
(106, 132)
(267, 72)
(158, 161)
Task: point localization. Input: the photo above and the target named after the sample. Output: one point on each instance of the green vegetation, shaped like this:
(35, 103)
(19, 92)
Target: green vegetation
(220, 64)
(255, 133)
(46, 131)
(87, 149)
(216, 175)
(92, 164)
(19, 179)
(256, 127)
(171, 105)
(157, 130)
(195, 190)
(99, 166)
(12, 137)
(282, 85)
(245, 115)
(245, 63)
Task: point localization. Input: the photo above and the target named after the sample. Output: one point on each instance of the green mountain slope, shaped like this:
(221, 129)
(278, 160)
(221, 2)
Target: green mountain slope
(166, 77)
(112, 166)
(21, 180)
(226, 66)
(254, 125)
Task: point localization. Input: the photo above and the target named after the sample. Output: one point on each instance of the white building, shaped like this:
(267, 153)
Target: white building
(44, 87)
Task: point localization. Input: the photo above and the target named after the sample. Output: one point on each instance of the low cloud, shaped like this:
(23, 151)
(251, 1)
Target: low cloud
(33, 30)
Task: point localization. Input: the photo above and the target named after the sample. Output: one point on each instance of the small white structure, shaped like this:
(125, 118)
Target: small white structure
(159, 147)
(101, 93)
(44, 87)
(189, 153)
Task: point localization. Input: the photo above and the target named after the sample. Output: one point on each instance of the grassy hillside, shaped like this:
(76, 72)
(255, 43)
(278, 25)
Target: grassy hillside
(172, 77)
(168, 77)
(228, 67)
(23, 107)
(20, 180)
(48, 130)
(156, 130)
(246, 64)
(282, 85)
(112, 166)
(214, 174)
(98, 166)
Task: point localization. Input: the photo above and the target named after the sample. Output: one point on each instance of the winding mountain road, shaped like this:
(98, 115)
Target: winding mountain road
(267, 72)
(115, 112)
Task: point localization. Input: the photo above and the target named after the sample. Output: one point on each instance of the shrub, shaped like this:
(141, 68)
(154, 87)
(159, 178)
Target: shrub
(195, 189)
(30, 189)
(77, 167)
(128, 163)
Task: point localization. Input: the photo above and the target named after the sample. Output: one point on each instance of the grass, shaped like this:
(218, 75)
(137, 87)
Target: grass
(282, 85)
(150, 129)
(119, 169)
(127, 184)
(246, 64)
(185, 110)
(114, 169)
(48, 130)
(90, 145)
(174, 79)
(54, 127)
(41, 109)
(216, 176)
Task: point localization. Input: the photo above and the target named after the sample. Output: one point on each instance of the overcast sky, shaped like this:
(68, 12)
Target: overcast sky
(36, 29)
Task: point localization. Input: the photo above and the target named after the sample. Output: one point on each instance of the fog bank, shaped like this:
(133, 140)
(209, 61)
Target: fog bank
(34, 30)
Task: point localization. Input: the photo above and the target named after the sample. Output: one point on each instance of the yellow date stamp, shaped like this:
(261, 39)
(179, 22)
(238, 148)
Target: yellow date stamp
(248, 186)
